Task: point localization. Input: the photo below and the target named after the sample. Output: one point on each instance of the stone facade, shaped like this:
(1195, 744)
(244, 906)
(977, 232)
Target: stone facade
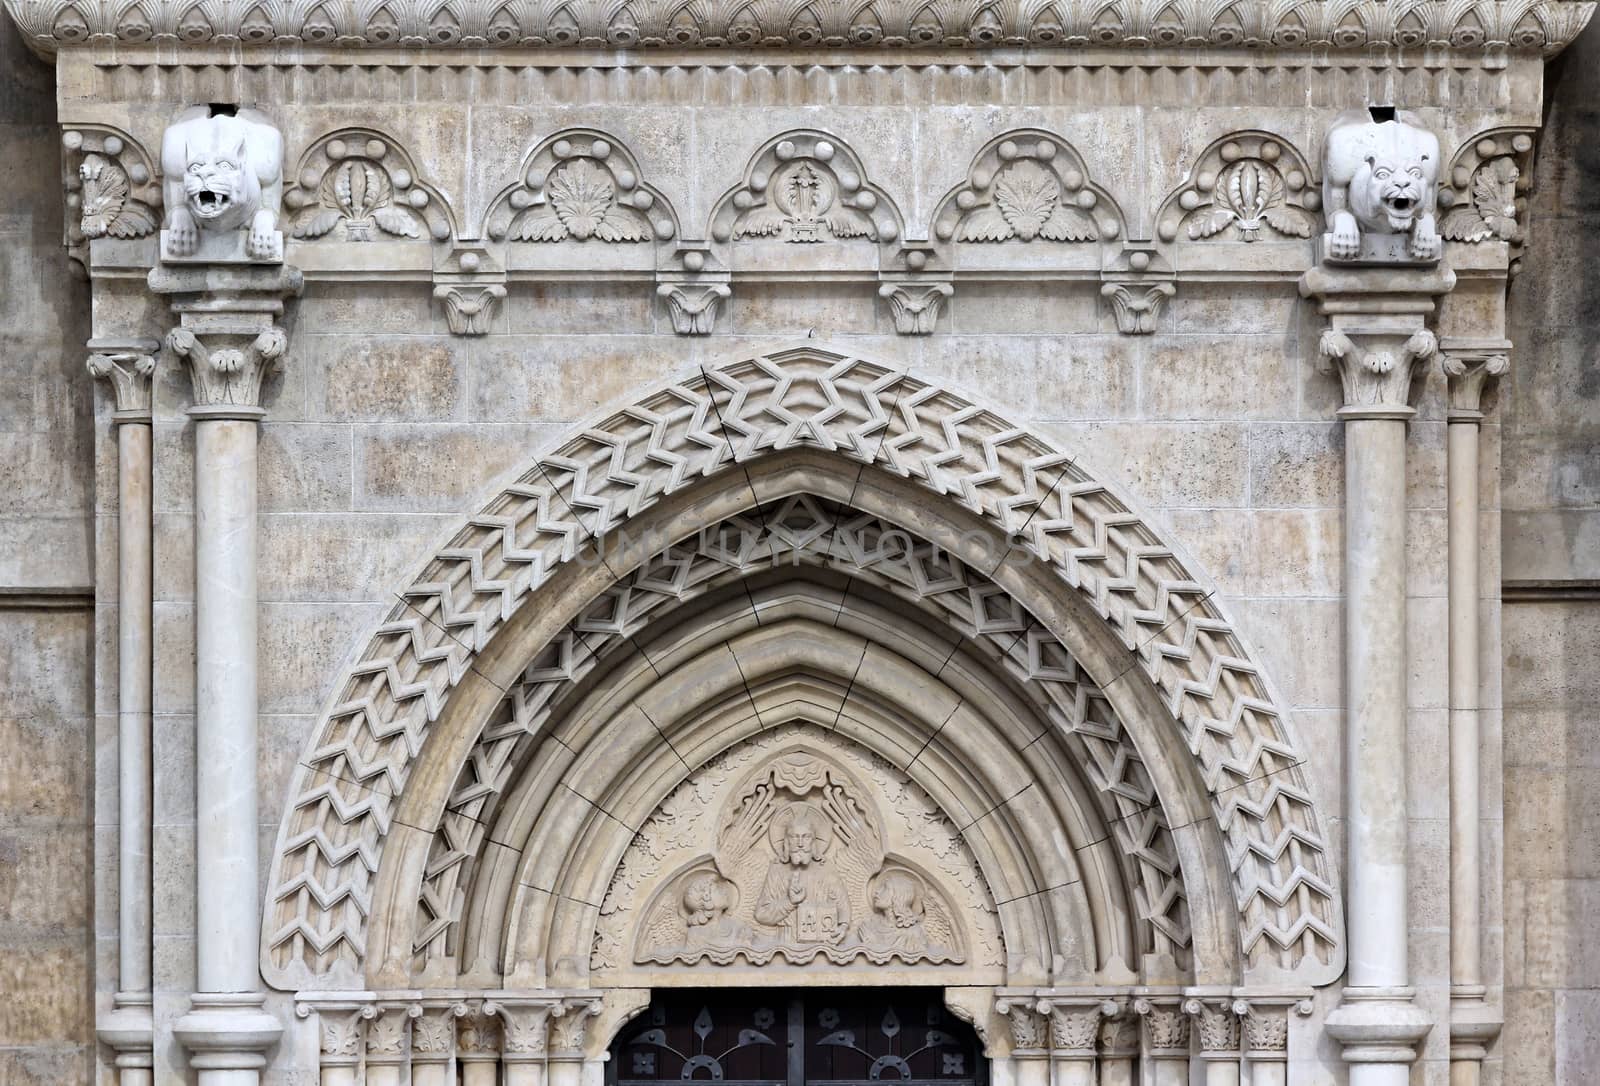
(1067, 506)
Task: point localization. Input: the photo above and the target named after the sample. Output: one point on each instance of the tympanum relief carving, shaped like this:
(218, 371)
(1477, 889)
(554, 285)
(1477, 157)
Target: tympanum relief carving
(796, 848)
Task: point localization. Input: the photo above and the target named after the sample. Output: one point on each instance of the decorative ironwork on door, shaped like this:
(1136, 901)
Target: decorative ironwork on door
(766, 1038)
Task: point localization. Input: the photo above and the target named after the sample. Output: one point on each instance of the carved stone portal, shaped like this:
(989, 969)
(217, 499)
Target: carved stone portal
(797, 848)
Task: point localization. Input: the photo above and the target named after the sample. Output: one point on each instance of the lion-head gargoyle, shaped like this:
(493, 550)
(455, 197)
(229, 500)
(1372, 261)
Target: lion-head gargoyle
(222, 175)
(1380, 177)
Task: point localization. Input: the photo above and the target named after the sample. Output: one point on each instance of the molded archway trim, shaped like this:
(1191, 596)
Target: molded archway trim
(923, 456)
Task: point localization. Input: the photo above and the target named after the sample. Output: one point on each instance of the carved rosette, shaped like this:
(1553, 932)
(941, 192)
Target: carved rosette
(1484, 197)
(1377, 371)
(581, 186)
(1468, 366)
(357, 185)
(1028, 186)
(1245, 187)
(111, 187)
(805, 188)
(1218, 1023)
(127, 366)
(1166, 1028)
(915, 305)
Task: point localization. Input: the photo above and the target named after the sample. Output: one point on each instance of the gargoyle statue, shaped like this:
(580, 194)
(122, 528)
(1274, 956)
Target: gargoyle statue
(222, 174)
(1380, 177)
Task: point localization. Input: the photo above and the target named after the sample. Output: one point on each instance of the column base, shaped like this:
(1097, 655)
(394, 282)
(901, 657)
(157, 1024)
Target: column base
(129, 1030)
(227, 1035)
(1474, 1024)
(1379, 1028)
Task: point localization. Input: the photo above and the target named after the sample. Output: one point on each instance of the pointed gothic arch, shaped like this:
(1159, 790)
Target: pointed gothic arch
(1169, 811)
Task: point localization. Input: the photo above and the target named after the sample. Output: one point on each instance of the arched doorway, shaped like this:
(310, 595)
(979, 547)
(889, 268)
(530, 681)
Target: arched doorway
(797, 1037)
(805, 606)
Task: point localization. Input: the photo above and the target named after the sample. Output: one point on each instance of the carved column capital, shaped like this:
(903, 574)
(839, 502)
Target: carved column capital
(1469, 365)
(1377, 371)
(915, 304)
(1119, 1034)
(339, 1032)
(433, 1033)
(386, 1035)
(569, 1025)
(1266, 1023)
(478, 1037)
(227, 379)
(1075, 1025)
(1024, 1014)
(692, 306)
(1166, 1027)
(1218, 1020)
(1137, 304)
(127, 365)
(526, 1026)
(469, 307)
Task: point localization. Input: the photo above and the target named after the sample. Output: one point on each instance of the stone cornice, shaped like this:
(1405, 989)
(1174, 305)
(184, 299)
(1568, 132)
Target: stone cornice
(1478, 27)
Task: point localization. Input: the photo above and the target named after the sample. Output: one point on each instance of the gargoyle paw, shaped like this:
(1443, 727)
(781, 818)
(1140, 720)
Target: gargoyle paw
(182, 237)
(261, 243)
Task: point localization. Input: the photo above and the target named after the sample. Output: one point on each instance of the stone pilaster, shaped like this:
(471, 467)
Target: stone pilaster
(1266, 1035)
(1468, 365)
(478, 1039)
(1376, 341)
(388, 1045)
(228, 336)
(1030, 1039)
(433, 1044)
(126, 366)
(569, 1038)
(1074, 1030)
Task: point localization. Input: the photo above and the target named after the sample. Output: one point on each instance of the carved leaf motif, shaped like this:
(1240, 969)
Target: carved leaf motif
(762, 222)
(1026, 194)
(1289, 220)
(318, 224)
(582, 195)
(842, 224)
(986, 224)
(1492, 212)
(621, 224)
(137, 220)
(1213, 222)
(105, 190)
(1067, 223)
(391, 220)
(1465, 224)
(541, 226)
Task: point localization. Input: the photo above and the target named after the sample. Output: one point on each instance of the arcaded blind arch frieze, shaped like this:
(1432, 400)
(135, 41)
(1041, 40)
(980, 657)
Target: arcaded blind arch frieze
(707, 431)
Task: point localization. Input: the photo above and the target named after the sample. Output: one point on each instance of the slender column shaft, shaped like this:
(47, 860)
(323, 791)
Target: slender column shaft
(1465, 922)
(134, 573)
(1375, 682)
(225, 672)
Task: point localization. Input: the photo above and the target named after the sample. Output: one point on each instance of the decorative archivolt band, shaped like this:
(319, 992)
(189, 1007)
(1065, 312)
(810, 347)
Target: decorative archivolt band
(331, 839)
(1546, 25)
(810, 531)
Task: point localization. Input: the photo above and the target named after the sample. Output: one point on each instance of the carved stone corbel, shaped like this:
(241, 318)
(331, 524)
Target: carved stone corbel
(692, 305)
(1138, 283)
(915, 304)
(469, 283)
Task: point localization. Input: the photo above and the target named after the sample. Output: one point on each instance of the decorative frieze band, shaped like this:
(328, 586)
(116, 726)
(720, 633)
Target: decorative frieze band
(1474, 27)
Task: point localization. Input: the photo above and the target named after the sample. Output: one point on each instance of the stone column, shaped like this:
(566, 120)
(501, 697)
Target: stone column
(1166, 1041)
(527, 1036)
(1030, 1053)
(1376, 342)
(228, 336)
(569, 1036)
(433, 1037)
(1218, 1020)
(478, 1049)
(127, 366)
(1468, 365)
(1119, 1048)
(387, 1048)
(1074, 1027)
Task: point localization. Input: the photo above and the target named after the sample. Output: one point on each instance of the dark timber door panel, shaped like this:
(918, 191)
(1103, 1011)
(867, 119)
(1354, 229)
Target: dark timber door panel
(843, 1037)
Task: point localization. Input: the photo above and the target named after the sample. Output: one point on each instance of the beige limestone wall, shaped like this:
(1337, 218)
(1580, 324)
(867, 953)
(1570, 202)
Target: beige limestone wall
(1552, 614)
(47, 553)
